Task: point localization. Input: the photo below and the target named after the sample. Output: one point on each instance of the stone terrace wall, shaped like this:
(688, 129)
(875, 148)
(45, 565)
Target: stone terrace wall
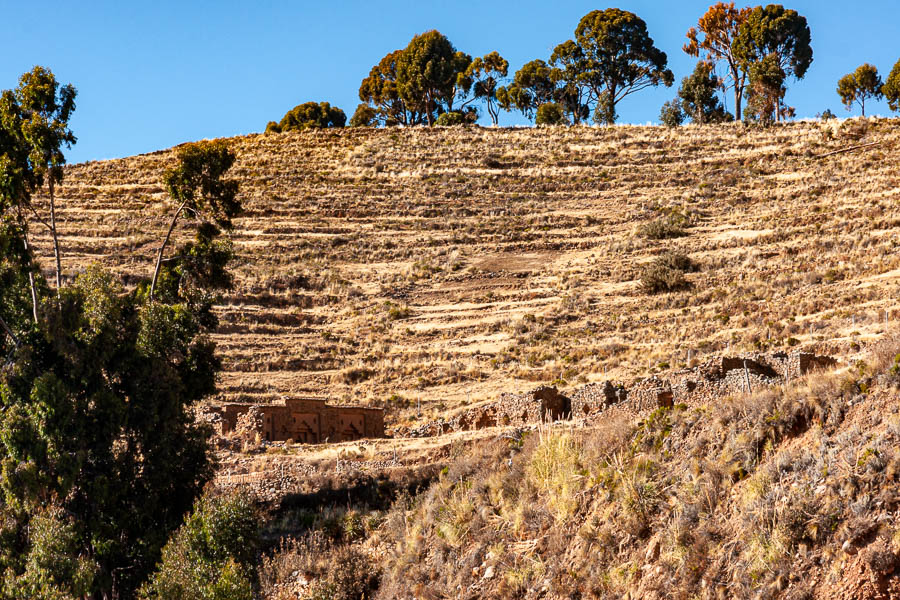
(696, 386)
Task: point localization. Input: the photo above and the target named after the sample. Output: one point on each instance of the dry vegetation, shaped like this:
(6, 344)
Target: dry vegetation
(427, 269)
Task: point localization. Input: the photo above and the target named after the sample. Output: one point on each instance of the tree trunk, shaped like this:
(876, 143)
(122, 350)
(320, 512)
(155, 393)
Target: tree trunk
(162, 248)
(9, 332)
(34, 300)
(55, 239)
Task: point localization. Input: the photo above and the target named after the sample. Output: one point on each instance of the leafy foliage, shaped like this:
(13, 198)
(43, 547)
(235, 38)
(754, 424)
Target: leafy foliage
(100, 456)
(862, 84)
(891, 88)
(550, 113)
(671, 114)
(212, 555)
(364, 116)
(485, 74)
(431, 74)
(780, 38)
(309, 115)
(620, 58)
(698, 96)
(714, 38)
(767, 89)
(532, 86)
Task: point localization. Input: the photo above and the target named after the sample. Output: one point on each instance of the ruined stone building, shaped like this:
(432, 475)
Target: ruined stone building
(303, 420)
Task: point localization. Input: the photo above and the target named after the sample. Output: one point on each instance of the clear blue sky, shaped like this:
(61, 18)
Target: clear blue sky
(154, 74)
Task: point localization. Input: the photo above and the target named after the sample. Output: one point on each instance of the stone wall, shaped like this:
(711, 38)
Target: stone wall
(695, 386)
(303, 420)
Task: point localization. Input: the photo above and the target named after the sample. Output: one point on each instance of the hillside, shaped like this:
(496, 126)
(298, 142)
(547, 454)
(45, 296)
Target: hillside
(440, 267)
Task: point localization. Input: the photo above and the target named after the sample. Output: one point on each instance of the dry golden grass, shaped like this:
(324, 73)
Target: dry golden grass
(427, 269)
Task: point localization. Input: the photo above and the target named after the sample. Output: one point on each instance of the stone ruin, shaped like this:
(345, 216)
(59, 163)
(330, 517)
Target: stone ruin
(303, 420)
(695, 386)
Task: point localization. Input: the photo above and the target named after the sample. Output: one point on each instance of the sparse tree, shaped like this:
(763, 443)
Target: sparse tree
(861, 85)
(197, 184)
(698, 96)
(779, 36)
(486, 73)
(45, 110)
(891, 88)
(309, 115)
(620, 59)
(713, 38)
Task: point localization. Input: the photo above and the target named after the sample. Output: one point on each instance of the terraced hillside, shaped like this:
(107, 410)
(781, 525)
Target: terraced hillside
(429, 269)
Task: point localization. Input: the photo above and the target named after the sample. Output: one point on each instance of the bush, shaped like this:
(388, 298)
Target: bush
(666, 273)
(212, 555)
(309, 115)
(671, 114)
(364, 116)
(826, 115)
(451, 119)
(664, 229)
(550, 113)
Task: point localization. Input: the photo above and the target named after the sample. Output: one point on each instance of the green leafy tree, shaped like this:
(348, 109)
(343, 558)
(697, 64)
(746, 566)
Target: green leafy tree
(212, 556)
(550, 113)
(671, 114)
(861, 85)
(776, 35)
(309, 115)
(620, 59)
(100, 456)
(486, 73)
(891, 88)
(45, 110)
(364, 116)
(379, 90)
(429, 74)
(698, 96)
(713, 38)
(767, 89)
(196, 183)
(569, 67)
(532, 86)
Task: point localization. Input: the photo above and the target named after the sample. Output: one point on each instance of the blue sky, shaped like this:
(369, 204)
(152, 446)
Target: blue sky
(154, 74)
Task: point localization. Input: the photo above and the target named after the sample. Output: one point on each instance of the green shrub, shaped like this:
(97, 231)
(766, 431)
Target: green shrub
(212, 555)
(671, 114)
(666, 273)
(550, 113)
(309, 115)
(451, 119)
(365, 116)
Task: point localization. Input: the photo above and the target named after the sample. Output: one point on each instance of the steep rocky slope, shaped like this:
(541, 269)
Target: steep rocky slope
(430, 269)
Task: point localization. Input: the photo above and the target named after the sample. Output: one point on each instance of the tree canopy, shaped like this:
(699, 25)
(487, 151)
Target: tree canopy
(891, 88)
(698, 96)
(713, 38)
(309, 115)
(531, 87)
(429, 74)
(779, 36)
(620, 59)
(861, 85)
(486, 73)
(100, 455)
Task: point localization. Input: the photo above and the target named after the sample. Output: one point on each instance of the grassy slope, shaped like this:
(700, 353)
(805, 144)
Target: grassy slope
(446, 265)
(789, 493)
